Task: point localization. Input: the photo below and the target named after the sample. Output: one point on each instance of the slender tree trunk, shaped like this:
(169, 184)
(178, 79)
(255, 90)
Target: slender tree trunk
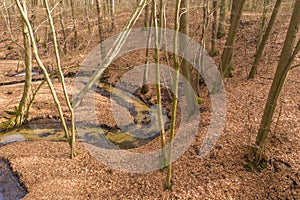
(44, 70)
(147, 24)
(262, 23)
(8, 15)
(76, 40)
(183, 47)
(222, 21)
(33, 18)
(204, 23)
(226, 60)
(145, 87)
(158, 37)
(146, 16)
(201, 57)
(112, 15)
(21, 115)
(98, 7)
(45, 43)
(63, 27)
(87, 16)
(286, 58)
(104, 6)
(175, 97)
(61, 77)
(229, 6)
(263, 43)
(214, 28)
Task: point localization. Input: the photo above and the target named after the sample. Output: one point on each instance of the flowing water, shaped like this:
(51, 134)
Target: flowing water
(10, 189)
(140, 131)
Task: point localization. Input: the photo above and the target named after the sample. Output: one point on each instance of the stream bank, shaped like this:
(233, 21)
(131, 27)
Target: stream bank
(10, 188)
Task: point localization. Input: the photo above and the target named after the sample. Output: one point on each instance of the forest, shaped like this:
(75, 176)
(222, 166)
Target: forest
(149, 99)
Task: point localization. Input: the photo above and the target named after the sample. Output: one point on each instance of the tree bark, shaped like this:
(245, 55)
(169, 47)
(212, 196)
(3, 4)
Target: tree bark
(286, 58)
(214, 29)
(43, 68)
(263, 43)
(175, 97)
(61, 77)
(183, 48)
(63, 28)
(158, 37)
(112, 15)
(98, 7)
(222, 20)
(76, 40)
(87, 16)
(22, 115)
(226, 60)
(146, 16)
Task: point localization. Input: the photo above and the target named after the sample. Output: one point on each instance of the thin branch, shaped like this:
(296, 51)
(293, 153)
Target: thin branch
(295, 66)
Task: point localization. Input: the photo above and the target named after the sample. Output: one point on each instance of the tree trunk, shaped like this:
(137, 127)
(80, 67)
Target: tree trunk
(286, 58)
(226, 60)
(145, 87)
(63, 28)
(263, 43)
(98, 7)
(146, 16)
(204, 23)
(21, 115)
(262, 23)
(76, 40)
(158, 37)
(183, 48)
(175, 97)
(43, 68)
(222, 20)
(112, 15)
(61, 77)
(214, 29)
(87, 16)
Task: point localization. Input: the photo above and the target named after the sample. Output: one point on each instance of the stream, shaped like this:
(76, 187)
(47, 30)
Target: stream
(136, 133)
(102, 136)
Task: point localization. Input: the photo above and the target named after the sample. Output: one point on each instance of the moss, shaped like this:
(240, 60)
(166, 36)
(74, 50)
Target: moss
(120, 137)
(10, 47)
(199, 100)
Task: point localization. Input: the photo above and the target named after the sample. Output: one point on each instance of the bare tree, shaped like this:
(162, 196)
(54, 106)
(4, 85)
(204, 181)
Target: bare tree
(100, 31)
(63, 28)
(175, 97)
(61, 77)
(87, 16)
(21, 115)
(286, 58)
(222, 21)
(44, 70)
(158, 24)
(146, 16)
(112, 15)
(76, 39)
(214, 28)
(226, 66)
(263, 43)
(145, 87)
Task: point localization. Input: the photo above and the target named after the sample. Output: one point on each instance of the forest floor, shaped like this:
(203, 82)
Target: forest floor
(46, 171)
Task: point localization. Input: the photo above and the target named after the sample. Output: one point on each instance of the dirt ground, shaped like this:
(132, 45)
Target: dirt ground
(45, 170)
